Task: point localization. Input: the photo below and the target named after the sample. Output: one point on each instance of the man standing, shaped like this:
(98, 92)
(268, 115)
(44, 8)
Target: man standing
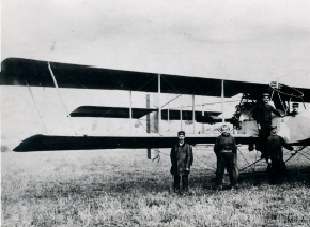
(275, 154)
(225, 150)
(181, 159)
(263, 115)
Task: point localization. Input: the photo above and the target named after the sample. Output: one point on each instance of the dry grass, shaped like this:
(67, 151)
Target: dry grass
(121, 187)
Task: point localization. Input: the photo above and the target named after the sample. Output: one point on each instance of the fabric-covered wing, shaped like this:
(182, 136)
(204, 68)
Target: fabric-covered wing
(110, 112)
(25, 72)
(175, 114)
(123, 112)
(50, 142)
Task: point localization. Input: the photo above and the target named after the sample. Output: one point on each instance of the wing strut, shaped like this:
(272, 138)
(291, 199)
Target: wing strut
(129, 111)
(159, 111)
(222, 100)
(181, 116)
(194, 114)
(35, 104)
(202, 114)
(168, 118)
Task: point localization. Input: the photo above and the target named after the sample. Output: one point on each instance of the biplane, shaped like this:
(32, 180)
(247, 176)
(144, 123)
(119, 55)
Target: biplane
(33, 73)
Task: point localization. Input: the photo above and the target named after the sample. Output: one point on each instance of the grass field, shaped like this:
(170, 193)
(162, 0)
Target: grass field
(123, 188)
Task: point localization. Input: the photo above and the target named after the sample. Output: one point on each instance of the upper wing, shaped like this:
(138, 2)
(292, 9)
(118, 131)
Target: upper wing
(24, 72)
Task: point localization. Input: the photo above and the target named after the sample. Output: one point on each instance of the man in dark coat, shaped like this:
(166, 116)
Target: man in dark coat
(181, 159)
(277, 168)
(263, 114)
(225, 150)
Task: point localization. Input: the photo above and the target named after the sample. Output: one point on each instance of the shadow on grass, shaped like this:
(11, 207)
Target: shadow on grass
(300, 175)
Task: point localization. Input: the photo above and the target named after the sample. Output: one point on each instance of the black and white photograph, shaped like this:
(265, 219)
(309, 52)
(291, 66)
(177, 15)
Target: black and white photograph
(155, 113)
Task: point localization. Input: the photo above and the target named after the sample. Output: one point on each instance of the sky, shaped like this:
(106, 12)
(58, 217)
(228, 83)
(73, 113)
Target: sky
(249, 40)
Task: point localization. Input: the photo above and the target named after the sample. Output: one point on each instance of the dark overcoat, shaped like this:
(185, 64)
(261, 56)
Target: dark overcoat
(225, 142)
(181, 158)
(263, 114)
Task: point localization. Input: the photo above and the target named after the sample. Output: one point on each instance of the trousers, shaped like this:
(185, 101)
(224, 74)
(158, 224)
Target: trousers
(226, 159)
(277, 170)
(177, 182)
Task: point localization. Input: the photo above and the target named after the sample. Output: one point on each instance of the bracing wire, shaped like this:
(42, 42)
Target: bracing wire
(282, 104)
(178, 95)
(297, 96)
(158, 157)
(56, 84)
(250, 165)
(35, 104)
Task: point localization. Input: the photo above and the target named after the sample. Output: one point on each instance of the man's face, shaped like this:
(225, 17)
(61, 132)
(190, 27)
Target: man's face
(274, 131)
(266, 99)
(225, 132)
(181, 138)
